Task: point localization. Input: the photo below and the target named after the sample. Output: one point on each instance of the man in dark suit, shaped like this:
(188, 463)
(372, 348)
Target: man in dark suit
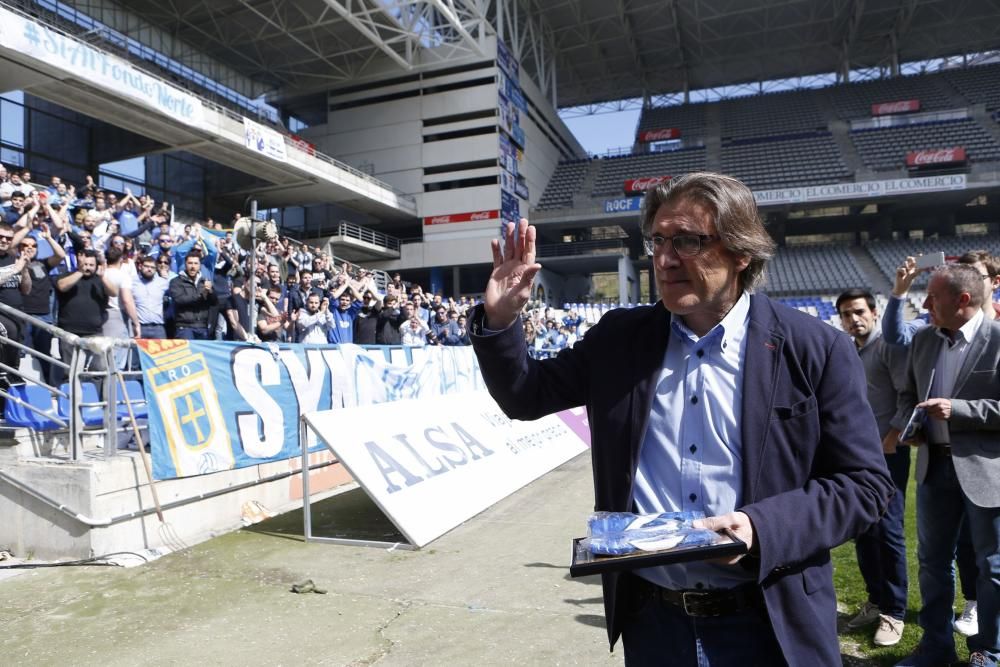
(956, 364)
(715, 400)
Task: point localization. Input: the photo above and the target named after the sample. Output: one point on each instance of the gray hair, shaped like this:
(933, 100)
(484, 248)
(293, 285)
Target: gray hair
(735, 215)
(963, 278)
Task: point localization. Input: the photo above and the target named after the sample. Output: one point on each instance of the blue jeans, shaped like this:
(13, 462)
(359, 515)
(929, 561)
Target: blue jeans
(658, 633)
(940, 506)
(188, 333)
(881, 550)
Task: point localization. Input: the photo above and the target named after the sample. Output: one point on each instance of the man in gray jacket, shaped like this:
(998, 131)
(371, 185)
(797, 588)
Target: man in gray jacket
(955, 363)
(881, 550)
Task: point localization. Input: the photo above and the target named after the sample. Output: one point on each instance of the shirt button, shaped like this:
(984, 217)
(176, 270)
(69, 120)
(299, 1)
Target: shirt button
(693, 497)
(723, 345)
(701, 353)
(694, 448)
(694, 399)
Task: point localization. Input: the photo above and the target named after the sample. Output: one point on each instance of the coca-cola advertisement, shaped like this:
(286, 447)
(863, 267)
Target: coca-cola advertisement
(639, 185)
(935, 157)
(472, 216)
(899, 106)
(662, 134)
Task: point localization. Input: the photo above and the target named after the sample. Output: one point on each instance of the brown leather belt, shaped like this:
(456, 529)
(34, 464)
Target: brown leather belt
(706, 603)
(939, 450)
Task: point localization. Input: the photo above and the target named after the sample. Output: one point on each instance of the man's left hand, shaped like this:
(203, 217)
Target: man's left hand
(937, 408)
(738, 522)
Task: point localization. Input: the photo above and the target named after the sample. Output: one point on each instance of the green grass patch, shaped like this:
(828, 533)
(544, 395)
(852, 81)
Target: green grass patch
(851, 595)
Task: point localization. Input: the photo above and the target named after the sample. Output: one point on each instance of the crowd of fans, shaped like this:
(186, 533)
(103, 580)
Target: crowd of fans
(96, 262)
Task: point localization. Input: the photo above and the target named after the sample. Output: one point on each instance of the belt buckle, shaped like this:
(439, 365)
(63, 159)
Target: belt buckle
(684, 601)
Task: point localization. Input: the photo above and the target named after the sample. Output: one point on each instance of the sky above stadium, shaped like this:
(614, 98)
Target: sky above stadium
(605, 132)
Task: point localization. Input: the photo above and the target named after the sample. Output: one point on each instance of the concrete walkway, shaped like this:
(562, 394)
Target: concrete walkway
(494, 591)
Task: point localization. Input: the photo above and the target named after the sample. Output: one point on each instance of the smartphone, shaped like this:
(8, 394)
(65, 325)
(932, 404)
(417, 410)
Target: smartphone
(930, 260)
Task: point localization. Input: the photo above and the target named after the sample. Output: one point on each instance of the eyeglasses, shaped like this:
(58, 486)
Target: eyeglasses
(27, 245)
(5, 238)
(685, 245)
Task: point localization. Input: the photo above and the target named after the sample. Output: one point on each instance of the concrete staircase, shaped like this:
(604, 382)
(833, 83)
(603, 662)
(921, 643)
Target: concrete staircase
(713, 138)
(582, 198)
(877, 282)
(840, 130)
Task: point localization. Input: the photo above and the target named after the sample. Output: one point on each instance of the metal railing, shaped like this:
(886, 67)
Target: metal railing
(602, 247)
(357, 232)
(85, 351)
(291, 145)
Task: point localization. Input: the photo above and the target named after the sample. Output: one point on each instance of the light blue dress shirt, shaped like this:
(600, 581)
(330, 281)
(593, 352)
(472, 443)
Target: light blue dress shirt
(691, 457)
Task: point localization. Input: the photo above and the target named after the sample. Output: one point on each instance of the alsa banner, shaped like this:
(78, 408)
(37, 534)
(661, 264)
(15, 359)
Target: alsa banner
(473, 216)
(432, 464)
(661, 134)
(935, 157)
(900, 106)
(637, 185)
(216, 405)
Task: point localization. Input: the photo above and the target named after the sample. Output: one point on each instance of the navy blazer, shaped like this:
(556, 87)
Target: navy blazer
(813, 471)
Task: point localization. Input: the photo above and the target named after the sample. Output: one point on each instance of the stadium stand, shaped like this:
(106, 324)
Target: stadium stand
(565, 182)
(981, 85)
(614, 171)
(688, 118)
(812, 269)
(886, 148)
(770, 115)
(785, 139)
(855, 100)
(781, 161)
(889, 254)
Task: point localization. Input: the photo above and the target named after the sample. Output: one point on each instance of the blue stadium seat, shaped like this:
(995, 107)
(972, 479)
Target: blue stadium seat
(19, 415)
(137, 397)
(92, 415)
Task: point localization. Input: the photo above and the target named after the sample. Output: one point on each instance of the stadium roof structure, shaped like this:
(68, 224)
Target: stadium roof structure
(585, 51)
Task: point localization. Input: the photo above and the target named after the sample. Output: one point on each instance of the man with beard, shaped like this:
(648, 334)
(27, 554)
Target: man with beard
(12, 290)
(83, 302)
(389, 320)
(314, 321)
(366, 323)
(37, 302)
(148, 291)
(881, 550)
(193, 297)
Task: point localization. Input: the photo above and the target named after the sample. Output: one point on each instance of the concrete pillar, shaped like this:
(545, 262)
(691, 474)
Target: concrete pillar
(456, 282)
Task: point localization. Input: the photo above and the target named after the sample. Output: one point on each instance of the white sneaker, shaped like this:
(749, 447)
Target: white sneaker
(968, 622)
(890, 631)
(867, 615)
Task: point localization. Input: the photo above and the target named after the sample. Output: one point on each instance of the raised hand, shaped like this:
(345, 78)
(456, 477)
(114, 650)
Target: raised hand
(905, 274)
(514, 269)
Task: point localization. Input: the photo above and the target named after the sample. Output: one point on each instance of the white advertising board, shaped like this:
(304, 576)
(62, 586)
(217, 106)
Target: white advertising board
(102, 70)
(860, 190)
(431, 464)
(264, 140)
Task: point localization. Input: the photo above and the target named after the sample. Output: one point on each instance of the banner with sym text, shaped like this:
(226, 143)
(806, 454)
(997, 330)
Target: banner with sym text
(217, 406)
(432, 464)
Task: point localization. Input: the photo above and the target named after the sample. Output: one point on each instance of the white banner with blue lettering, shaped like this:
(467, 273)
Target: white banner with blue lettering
(102, 70)
(216, 405)
(433, 463)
